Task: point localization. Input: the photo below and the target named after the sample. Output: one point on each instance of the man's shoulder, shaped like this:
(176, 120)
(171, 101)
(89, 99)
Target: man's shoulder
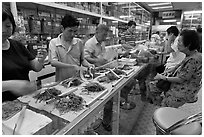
(89, 42)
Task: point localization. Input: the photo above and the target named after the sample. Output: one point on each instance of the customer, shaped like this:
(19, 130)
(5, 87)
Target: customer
(187, 80)
(66, 52)
(94, 51)
(128, 37)
(199, 31)
(17, 61)
(156, 38)
(175, 56)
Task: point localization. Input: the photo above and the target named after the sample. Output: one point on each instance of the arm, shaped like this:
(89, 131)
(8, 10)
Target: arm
(170, 79)
(185, 73)
(36, 64)
(19, 87)
(91, 58)
(58, 64)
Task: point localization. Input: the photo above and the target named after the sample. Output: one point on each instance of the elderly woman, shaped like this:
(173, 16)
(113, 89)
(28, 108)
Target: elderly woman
(186, 82)
(17, 61)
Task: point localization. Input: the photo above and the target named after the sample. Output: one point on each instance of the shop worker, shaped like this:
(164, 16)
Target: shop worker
(17, 61)
(128, 37)
(66, 52)
(175, 56)
(94, 51)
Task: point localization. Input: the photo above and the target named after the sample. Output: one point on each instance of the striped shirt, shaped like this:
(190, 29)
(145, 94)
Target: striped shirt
(128, 37)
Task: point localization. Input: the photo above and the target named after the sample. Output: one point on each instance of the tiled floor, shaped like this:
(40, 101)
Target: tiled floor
(139, 120)
(144, 125)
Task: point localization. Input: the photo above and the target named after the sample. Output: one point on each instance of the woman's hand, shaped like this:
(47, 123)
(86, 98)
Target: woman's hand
(159, 76)
(41, 55)
(19, 87)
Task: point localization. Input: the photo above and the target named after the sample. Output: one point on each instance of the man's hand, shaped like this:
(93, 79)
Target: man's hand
(101, 61)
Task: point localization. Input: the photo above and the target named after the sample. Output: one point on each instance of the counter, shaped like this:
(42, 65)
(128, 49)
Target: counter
(84, 120)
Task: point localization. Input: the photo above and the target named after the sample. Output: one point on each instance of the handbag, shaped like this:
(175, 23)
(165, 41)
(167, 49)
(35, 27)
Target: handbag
(163, 85)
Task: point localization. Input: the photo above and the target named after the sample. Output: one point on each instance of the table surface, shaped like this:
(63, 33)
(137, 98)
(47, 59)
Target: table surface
(88, 116)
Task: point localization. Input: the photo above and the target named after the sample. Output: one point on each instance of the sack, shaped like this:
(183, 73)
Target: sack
(163, 85)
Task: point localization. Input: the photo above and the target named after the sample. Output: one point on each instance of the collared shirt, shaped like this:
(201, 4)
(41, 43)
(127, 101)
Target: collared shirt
(70, 54)
(128, 37)
(94, 49)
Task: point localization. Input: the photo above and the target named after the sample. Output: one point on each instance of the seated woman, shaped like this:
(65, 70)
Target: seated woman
(188, 74)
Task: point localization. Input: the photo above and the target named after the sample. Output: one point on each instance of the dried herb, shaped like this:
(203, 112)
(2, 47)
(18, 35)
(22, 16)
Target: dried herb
(48, 94)
(71, 102)
(119, 72)
(93, 87)
(74, 82)
(10, 108)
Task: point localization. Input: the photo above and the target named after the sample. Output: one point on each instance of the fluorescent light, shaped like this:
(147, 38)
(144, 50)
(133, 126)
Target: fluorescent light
(169, 20)
(191, 12)
(165, 7)
(191, 18)
(124, 16)
(178, 23)
(147, 23)
(159, 4)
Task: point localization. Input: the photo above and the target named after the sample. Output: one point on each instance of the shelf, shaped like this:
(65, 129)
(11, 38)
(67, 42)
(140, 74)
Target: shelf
(64, 7)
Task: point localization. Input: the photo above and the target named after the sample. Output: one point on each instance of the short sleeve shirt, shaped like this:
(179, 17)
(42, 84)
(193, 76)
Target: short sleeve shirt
(93, 48)
(15, 65)
(72, 55)
(128, 37)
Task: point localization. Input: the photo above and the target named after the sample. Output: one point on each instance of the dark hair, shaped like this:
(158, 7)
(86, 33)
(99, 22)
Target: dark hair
(130, 23)
(199, 30)
(190, 39)
(69, 21)
(174, 30)
(157, 32)
(6, 14)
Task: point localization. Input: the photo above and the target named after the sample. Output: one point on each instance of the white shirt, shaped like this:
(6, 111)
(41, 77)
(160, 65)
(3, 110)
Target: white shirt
(175, 57)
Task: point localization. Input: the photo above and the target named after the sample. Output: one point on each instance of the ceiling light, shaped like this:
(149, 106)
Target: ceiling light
(159, 4)
(169, 20)
(178, 23)
(165, 7)
(191, 18)
(191, 12)
(124, 16)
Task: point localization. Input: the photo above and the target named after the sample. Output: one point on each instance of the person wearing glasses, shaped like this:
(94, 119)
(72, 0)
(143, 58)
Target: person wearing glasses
(66, 52)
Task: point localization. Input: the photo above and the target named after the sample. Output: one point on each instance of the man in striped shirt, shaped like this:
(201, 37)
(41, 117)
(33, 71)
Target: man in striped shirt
(128, 37)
